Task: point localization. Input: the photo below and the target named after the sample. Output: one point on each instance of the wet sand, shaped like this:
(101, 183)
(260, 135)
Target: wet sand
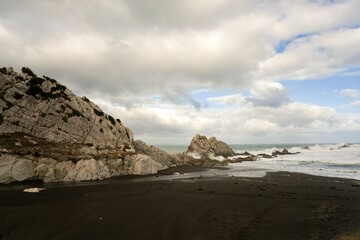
(278, 206)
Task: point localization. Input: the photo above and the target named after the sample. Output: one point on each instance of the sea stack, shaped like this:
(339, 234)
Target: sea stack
(203, 147)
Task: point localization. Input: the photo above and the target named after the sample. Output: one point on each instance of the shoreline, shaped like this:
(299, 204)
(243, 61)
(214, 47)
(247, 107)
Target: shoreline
(280, 205)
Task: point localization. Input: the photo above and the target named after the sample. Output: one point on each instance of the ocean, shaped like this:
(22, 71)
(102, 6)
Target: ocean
(330, 160)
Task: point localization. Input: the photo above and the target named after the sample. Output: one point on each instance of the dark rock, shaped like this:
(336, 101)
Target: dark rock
(283, 152)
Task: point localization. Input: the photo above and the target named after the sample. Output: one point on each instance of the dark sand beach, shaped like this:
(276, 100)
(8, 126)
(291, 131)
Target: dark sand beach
(278, 206)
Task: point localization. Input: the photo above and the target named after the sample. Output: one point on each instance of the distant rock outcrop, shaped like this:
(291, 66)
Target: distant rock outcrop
(203, 147)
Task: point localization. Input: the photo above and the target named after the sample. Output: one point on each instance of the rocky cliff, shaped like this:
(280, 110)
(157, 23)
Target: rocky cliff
(42, 107)
(48, 133)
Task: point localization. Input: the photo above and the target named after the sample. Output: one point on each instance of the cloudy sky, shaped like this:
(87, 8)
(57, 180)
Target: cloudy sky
(245, 71)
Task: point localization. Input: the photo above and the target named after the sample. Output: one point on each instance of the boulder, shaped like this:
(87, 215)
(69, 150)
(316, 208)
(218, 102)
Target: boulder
(6, 164)
(143, 164)
(15, 168)
(22, 169)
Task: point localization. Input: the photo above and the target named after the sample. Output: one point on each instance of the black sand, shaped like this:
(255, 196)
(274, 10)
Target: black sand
(277, 206)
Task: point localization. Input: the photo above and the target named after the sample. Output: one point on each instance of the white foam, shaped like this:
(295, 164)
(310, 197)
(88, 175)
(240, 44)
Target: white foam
(331, 160)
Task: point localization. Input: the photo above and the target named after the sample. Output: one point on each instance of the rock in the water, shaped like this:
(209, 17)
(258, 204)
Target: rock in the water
(283, 152)
(203, 147)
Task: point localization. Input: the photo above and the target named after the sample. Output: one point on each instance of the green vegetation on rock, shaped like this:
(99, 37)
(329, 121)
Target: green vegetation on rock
(55, 92)
(50, 79)
(19, 78)
(99, 113)
(3, 70)
(85, 99)
(112, 120)
(28, 72)
(75, 113)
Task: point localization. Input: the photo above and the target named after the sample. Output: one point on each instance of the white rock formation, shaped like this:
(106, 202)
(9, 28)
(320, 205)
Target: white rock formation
(15, 168)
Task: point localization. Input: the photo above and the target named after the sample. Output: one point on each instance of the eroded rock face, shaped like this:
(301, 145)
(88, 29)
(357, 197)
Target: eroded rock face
(15, 168)
(202, 146)
(42, 107)
(143, 164)
(155, 153)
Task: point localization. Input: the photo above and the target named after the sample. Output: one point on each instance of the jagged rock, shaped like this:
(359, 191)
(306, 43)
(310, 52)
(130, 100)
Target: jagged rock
(345, 146)
(283, 152)
(246, 154)
(186, 160)
(44, 108)
(242, 159)
(155, 153)
(204, 147)
(264, 155)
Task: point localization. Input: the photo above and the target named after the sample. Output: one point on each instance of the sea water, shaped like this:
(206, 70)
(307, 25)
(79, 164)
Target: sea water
(331, 160)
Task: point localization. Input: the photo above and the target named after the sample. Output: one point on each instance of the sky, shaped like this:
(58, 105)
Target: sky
(273, 71)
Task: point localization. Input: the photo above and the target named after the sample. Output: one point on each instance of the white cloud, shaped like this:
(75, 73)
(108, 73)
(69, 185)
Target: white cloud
(215, 44)
(355, 103)
(350, 93)
(271, 94)
(260, 126)
(235, 99)
(314, 56)
(122, 53)
(288, 121)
